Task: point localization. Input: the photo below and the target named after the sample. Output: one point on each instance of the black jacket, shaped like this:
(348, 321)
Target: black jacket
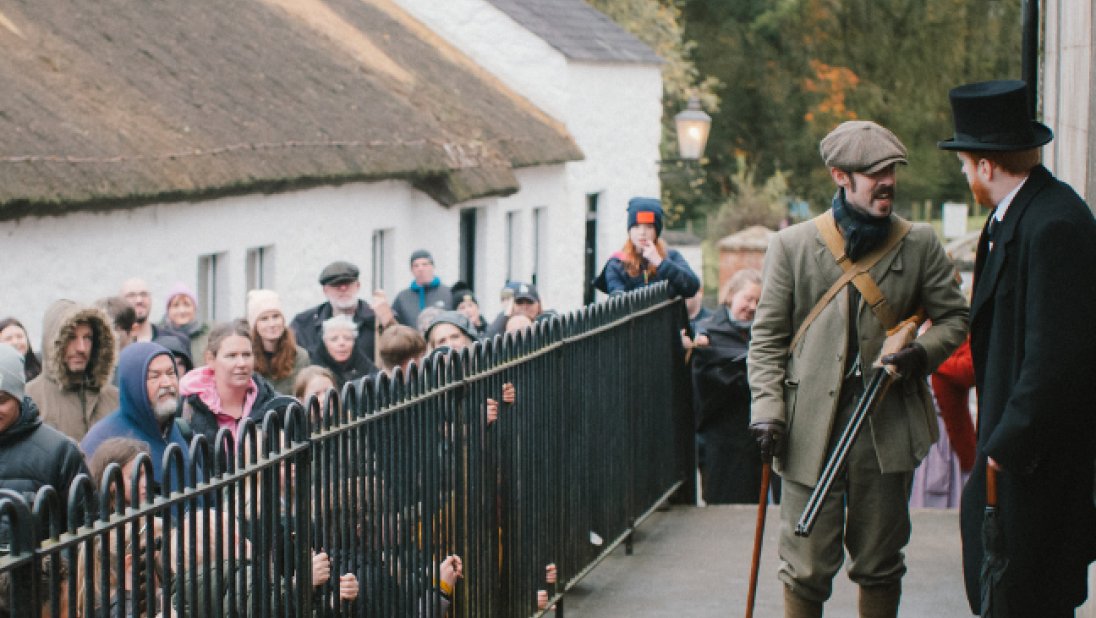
(308, 327)
(354, 368)
(732, 469)
(1032, 341)
(204, 422)
(33, 455)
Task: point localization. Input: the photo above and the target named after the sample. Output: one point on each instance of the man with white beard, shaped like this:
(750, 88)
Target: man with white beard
(341, 287)
(149, 393)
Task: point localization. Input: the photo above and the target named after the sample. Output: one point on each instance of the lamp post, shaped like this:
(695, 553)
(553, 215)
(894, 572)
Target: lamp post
(1029, 60)
(692, 126)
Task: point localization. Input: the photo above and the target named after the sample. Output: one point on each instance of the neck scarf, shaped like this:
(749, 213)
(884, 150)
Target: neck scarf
(863, 232)
(422, 290)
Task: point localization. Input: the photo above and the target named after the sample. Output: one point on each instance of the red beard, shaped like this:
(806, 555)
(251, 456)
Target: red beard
(981, 193)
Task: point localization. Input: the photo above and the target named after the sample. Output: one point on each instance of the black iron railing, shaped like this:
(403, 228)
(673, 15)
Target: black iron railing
(388, 479)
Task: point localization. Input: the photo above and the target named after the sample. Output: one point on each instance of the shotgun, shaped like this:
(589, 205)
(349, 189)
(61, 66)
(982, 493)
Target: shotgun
(881, 379)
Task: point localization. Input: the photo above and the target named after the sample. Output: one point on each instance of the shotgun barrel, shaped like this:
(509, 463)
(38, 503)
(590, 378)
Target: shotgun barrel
(877, 388)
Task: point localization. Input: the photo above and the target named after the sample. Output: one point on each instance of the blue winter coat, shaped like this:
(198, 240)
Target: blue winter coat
(674, 269)
(134, 418)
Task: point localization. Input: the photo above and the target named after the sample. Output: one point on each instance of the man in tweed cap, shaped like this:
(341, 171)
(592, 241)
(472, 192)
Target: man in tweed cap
(810, 359)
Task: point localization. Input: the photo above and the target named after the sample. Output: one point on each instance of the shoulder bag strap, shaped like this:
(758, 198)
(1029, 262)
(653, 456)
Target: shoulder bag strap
(857, 272)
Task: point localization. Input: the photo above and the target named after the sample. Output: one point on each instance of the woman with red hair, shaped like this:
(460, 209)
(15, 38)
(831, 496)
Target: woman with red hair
(646, 258)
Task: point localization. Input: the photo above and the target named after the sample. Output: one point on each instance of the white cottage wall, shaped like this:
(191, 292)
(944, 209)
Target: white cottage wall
(85, 256)
(613, 111)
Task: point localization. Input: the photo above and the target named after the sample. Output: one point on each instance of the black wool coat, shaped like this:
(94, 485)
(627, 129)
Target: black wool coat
(1033, 341)
(732, 461)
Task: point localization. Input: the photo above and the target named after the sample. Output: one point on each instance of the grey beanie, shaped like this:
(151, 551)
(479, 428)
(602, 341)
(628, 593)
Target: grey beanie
(12, 377)
(421, 253)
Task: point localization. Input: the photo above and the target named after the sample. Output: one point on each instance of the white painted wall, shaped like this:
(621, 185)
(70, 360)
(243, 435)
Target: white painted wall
(86, 256)
(613, 111)
(1067, 70)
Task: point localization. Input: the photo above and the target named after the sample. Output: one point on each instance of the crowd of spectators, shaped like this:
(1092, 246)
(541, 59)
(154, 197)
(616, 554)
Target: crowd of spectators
(109, 384)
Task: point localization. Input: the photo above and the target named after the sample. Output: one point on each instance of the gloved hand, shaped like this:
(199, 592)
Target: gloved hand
(769, 435)
(911, 361)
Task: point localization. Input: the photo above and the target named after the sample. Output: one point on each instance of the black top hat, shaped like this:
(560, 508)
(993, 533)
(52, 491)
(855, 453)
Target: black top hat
(994, 116)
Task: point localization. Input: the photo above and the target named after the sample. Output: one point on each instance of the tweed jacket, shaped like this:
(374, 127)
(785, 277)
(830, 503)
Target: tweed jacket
(803, 389)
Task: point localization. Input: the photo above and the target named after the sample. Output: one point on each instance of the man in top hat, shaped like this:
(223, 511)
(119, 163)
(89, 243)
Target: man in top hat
(803, 397)
(341, 287)
(1032, 341)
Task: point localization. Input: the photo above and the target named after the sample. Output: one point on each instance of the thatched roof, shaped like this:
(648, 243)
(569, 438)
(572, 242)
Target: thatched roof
(118, 103)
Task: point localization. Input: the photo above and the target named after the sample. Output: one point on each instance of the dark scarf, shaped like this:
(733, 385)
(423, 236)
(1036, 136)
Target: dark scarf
(863, 232)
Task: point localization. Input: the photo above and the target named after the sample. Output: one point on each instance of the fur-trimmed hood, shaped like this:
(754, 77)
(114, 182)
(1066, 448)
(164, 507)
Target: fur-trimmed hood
(59, 324)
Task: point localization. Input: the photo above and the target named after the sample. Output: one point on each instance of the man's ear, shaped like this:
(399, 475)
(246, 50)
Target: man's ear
(986, 169)
(841, 177)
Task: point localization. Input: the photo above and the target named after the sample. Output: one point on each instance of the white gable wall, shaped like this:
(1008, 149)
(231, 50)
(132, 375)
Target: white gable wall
(613, 111)
(86, 256)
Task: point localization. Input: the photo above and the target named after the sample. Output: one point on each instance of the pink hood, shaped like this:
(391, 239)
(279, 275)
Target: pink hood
(203, 383)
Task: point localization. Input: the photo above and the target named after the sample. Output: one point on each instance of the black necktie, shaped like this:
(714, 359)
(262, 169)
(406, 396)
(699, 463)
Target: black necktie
(994, 225)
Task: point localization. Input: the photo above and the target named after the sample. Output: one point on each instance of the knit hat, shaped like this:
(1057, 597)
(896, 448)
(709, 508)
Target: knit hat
(177, 289)
(421, 253)
(461, 293)
(645, 210)
(12, 377)
(261, 301)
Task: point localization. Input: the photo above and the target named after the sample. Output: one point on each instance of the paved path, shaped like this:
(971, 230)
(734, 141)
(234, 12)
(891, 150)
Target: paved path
(695, 561)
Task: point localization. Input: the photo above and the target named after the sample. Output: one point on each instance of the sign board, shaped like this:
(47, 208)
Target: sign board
(955, 219)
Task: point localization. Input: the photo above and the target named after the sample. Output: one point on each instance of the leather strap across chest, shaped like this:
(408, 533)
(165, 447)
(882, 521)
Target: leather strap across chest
(855, 272)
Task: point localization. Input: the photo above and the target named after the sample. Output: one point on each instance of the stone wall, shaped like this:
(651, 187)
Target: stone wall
(1068, 90)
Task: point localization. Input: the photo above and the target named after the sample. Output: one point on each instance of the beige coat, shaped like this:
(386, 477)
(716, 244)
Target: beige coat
(72, 404)
(803, 390)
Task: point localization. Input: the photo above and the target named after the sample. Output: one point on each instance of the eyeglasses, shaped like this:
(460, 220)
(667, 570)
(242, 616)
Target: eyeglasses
(137, 295)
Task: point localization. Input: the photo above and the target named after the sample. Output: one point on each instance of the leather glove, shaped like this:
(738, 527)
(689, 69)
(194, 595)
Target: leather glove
(911, 361)
(769, 435)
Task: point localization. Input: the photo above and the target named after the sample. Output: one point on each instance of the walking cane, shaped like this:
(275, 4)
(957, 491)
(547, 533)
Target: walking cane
(759, 533)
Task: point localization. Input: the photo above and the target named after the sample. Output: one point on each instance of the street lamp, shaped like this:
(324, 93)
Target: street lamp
(693, 126)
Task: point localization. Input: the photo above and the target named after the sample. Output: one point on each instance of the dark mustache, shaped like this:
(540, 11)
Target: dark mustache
(884, 193)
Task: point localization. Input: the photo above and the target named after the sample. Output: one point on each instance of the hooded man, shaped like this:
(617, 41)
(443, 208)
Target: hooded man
(814, 341)
(32, 454)
(74, 390)
(425, 291)
(149, 392)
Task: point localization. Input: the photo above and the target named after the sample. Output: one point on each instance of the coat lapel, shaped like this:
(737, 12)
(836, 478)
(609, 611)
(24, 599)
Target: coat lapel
(988, 264)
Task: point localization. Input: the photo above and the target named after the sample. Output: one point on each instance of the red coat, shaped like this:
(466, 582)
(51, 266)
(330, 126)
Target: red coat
(951, 385)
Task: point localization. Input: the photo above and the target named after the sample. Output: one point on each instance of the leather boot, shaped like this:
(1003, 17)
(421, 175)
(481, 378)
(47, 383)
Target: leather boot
(796, 606)
(880, 601)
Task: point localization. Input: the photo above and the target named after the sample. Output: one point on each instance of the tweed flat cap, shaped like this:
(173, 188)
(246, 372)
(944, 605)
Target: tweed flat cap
(338, 271)
(862, 146)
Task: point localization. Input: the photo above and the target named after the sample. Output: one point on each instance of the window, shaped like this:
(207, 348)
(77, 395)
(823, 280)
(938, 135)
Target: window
(382, 259)
(540, 230)
(260, 268)
(468, 246)
(591, 247)
(213, 287)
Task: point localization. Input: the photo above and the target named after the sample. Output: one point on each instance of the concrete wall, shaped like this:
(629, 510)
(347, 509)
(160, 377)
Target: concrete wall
(613, 111)
(1068, 90)
(86, 256)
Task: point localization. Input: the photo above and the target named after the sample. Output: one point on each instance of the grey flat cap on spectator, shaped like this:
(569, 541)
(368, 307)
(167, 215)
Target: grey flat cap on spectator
(455, 318)
(12, 377)
(862, 146)
(338, 271)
